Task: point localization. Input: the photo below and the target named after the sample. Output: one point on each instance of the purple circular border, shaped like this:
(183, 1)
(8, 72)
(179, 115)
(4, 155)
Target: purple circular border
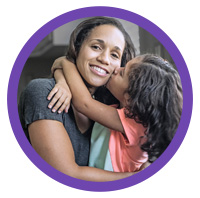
(89, 12)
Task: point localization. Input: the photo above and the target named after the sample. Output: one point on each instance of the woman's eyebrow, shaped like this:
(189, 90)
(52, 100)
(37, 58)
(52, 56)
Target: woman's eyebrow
(99, 40)
(118, 48)
(102, 42)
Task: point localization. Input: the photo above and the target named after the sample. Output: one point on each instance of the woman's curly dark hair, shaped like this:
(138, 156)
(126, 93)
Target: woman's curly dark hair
(155, 101)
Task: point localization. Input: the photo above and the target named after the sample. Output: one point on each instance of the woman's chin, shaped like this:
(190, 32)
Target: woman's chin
(97, 83)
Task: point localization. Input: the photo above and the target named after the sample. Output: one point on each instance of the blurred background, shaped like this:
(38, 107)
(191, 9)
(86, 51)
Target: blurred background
(39, 63)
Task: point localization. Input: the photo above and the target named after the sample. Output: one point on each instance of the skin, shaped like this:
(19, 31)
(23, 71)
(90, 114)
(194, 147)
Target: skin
(63, 94)
(119, 81)
(49, 137)
(102, 49)
(56, 150)
(93, 109)
(84, 103)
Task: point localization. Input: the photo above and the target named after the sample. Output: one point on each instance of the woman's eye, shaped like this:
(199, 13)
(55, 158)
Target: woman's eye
(96, 47)
(115, 56)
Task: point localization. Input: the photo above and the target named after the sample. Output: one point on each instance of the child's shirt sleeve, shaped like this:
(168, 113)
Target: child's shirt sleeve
(133, 130)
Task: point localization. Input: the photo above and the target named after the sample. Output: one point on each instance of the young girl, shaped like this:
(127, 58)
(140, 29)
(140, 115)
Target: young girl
(144, 122)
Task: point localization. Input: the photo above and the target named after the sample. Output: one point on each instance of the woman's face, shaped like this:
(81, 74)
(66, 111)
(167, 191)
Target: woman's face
(100, 54)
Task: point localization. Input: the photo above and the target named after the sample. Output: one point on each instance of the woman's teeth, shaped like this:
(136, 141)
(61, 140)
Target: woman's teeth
(99, 70)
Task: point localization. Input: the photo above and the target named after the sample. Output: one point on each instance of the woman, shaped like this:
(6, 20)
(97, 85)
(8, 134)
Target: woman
(60, 139)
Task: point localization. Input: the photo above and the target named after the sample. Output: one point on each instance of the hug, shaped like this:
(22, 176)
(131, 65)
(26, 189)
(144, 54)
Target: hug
(118, 111)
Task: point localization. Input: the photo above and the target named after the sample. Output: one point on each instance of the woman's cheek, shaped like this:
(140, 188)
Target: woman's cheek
(116, 66)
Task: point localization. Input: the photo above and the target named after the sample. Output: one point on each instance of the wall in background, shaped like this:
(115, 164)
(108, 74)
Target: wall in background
(54, 45)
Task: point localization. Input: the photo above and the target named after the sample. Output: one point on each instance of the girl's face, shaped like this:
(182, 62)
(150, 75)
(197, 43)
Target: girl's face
(119, 81)
(100, 54)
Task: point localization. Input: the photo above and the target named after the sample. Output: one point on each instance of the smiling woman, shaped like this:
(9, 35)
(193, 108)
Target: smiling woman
(97, 46)
(100, 54)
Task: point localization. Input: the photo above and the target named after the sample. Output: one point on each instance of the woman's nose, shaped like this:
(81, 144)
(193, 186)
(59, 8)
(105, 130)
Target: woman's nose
(104, 58)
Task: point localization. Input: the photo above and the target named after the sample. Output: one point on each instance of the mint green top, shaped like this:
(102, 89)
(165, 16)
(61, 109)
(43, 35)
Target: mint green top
(99, 148)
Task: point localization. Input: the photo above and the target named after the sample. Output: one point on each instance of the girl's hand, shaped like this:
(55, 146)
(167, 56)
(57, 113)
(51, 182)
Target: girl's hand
(60, 97)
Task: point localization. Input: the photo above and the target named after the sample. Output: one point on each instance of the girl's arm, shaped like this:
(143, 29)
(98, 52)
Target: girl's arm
(60, 95)
(84, 103)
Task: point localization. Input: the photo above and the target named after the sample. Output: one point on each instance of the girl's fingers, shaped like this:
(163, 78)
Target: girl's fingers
(56, 97)
(60, 99)
(65, 106)
(53, 91)
(59, 103)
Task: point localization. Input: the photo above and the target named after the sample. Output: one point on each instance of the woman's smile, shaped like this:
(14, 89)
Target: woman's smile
(99, 70)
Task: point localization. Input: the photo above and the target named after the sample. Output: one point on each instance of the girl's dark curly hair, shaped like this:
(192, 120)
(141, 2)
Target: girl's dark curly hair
(155, 101)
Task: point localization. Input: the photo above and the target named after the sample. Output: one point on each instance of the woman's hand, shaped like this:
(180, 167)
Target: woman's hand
(145, 165)
(60, 97)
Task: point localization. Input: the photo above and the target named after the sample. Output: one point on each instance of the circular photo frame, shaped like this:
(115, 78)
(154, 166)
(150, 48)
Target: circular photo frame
(90, 12)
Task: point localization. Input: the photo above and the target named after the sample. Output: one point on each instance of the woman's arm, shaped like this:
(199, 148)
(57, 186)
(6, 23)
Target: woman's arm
(51, 141)
(48, 135)
(84, 103)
